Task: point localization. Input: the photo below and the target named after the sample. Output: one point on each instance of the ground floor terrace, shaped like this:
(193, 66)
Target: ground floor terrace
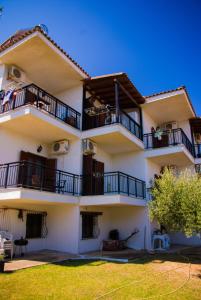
(72, 228)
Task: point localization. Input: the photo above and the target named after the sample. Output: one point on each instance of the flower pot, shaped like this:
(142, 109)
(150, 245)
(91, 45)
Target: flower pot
(2, 263)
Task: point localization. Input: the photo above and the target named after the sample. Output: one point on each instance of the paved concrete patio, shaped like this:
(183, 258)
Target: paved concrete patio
(38, 258)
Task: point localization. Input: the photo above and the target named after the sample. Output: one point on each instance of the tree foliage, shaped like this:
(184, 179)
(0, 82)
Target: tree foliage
(176, 202)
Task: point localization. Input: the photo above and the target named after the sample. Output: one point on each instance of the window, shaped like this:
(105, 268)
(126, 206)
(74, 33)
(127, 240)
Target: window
(34, 225)
(90, 229)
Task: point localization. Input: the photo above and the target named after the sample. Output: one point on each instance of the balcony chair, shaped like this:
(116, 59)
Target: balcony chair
(6, 242)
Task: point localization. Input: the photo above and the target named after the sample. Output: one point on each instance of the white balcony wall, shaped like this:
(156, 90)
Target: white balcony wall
(72, 161)
(12, 144)
(104, 157)
(72, 97)
(185, 125)
(148, 122)
(131, 163)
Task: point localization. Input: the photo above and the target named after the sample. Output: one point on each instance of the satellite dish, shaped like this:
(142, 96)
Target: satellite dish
(44, 28)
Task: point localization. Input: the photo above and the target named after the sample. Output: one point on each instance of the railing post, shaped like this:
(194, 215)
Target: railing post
(73, 184)
(128, 187)
(56, 104)
(37, 100)
(6, 176)
(135, 188)
(118, 180)
(59, 181)
(42, 177)
(173, 134)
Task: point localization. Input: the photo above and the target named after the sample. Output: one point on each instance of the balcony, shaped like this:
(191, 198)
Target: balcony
(111, 111)
(197, 150)
(172, 147)
(111, 118)
(20, 176)
(115, 188)
(32, 107)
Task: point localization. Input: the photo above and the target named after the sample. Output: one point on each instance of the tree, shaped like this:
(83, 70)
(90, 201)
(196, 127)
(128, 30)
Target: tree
(176, 202)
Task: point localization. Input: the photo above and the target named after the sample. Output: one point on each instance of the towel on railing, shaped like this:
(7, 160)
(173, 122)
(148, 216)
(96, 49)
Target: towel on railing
(8, 96)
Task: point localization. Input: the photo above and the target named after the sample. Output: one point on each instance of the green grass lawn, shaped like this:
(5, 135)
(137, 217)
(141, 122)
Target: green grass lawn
(145, 278)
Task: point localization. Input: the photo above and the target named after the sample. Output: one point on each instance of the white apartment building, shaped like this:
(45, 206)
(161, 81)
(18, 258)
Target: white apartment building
(78, 153)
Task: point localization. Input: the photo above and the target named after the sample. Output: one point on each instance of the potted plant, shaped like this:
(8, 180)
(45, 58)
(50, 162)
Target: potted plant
(2, 263)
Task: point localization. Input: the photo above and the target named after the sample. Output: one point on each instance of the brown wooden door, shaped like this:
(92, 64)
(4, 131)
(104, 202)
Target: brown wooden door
(37, 172)
(98, 177)
(87, 185)
(50, 180)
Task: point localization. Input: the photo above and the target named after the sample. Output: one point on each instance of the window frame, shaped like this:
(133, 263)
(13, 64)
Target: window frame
(29, 230)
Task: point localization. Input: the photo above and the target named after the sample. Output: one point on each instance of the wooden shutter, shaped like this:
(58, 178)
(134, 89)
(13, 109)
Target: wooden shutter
(98, 177)
(87, 175)
(23, 171)
(50, 175)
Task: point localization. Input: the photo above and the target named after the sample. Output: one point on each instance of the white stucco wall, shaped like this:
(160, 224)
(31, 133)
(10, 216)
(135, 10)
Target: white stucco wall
(63, 228)
(72, 97)
(148, 122)
(131, 163)
(12, 143)
(87, 245)
(123, 218)
(181, 239)
(62, 225)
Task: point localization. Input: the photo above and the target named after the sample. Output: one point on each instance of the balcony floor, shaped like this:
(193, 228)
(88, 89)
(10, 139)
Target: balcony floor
(112, 200)
(21, 196)
(114, 139)
(172, 155)
(35, 123)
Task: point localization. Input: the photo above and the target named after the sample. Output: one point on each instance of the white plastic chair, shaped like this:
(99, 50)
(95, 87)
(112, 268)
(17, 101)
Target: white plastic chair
(6, 242)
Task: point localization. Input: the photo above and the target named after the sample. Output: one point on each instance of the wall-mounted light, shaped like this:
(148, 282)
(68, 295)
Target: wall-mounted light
(39, 149)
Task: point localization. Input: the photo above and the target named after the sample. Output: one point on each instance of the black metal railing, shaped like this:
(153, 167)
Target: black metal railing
(34, 95)
(197, 150)
(198, 168)
(110, 118)
(31, 175)
(168, 138)
(121, 183)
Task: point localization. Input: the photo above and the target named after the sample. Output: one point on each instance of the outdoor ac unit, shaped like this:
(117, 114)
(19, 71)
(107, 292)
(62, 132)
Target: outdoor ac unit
(89, 147)
(16, 74)
(169, 126)
(60, 147)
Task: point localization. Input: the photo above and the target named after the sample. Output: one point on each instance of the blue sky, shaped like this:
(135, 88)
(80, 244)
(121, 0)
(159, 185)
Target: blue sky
(158, 42)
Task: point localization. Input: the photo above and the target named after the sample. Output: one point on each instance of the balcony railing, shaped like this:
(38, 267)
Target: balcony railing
(104, 119)
(115, 183)
(121, 183)
(34, 95)
(197, 150)
(174, 137)
(198, 168)
(34, 176)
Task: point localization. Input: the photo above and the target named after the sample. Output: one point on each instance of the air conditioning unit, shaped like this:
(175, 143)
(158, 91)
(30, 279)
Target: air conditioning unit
(169, 125)
(60, 147)
(89, 147)
(16, 74)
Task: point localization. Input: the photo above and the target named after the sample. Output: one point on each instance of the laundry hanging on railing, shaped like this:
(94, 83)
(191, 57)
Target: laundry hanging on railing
(8, 96)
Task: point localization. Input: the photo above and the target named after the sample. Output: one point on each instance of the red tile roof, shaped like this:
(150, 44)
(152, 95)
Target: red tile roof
(170, 91)
(165, 92)
(21, 34)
